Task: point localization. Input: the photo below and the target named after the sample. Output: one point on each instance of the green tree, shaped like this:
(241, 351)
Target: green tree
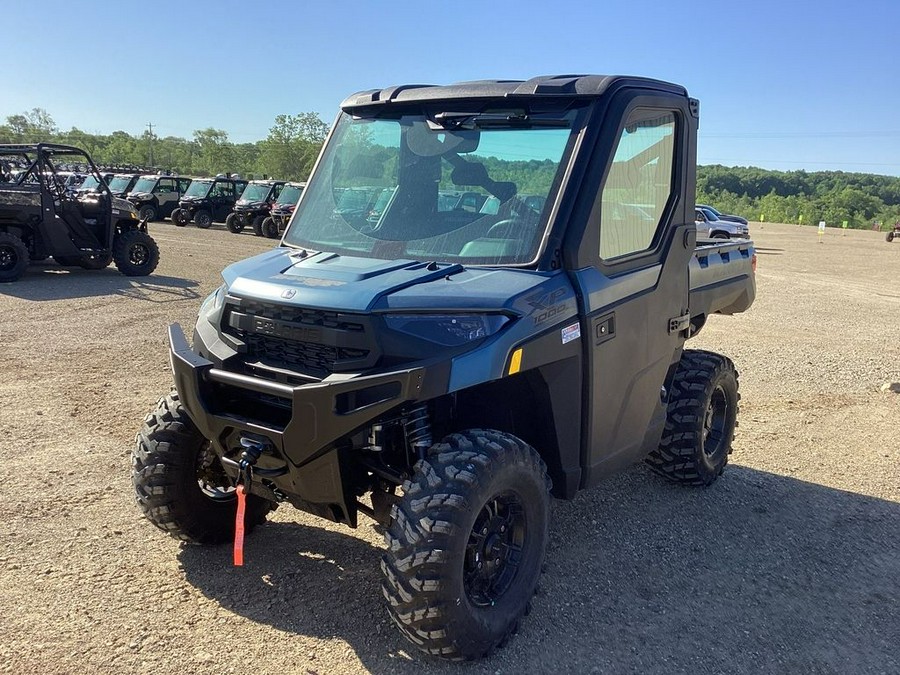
(292, 146)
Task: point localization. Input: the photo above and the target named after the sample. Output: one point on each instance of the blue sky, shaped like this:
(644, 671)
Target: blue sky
(783, 85)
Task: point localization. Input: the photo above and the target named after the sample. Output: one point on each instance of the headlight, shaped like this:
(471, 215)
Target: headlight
(449, 330)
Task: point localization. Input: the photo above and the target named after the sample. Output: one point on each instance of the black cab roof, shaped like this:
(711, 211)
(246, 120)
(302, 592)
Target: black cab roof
(547, 86)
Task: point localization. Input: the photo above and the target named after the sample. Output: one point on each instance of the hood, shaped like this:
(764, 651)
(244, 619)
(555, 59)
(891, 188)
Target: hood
(245, 204)
(123, 204)
(351, 284)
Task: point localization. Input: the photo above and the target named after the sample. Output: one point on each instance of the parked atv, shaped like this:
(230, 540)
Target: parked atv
(893, 233)
(254, 206)
(155, 197)
(40, 218)
(208, 200)
(274, 224)
(441, 371)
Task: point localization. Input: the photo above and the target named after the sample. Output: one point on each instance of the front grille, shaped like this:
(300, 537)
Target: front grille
(302, 340)
(305, 356)
(300, 315)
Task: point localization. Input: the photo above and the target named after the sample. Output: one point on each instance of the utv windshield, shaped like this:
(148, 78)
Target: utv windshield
(255, 193)
(90, 184)
(393, 188)
(199, 188)
(144, 185)
(119, 183)
(290, 195)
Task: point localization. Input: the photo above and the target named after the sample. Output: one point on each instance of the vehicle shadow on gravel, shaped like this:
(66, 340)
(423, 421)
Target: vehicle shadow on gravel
(760, 573)
(52, 282)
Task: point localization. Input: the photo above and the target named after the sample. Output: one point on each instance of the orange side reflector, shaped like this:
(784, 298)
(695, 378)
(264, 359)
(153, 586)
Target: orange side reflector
(515, 363)
(753, 263)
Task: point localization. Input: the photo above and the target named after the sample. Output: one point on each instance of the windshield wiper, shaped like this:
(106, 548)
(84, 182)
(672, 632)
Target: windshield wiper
(460, 120)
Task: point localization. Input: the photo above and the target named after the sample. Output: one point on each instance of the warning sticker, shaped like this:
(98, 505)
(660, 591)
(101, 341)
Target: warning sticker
(570, 333)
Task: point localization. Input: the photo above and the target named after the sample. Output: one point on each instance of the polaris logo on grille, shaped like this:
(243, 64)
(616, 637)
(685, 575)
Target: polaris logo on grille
(283, 330)
(288, 293)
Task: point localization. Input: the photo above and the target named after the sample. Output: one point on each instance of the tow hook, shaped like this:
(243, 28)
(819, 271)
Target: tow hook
(253, 449)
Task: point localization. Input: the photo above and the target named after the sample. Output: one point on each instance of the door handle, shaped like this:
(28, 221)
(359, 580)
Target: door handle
(604, 328)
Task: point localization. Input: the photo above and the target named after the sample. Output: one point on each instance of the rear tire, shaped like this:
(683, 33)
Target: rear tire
(170, 459)
(203, 219)
(258, 225)
(136, 253)
(270, 227)
(179, 217)
(700, 421)
(13, 257)
(233, 224)
(466, 544)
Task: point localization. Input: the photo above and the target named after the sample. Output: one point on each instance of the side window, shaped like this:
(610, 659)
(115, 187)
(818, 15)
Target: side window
(222, 189)
(165, 186)
(639, 184)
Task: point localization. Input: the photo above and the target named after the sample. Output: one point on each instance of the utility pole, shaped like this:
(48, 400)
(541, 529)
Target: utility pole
(150, 126)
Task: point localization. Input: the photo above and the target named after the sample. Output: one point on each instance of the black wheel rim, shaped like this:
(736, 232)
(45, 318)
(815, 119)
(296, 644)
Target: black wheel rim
(494, 551)
(211, 477)
(9, 258)
(715, 423)
(138, 254)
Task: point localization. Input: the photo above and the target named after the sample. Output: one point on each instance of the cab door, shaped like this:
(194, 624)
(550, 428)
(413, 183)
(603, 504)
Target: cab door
(635, 295)
(222, 197)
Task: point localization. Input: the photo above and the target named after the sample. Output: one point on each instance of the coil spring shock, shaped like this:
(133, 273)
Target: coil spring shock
(417, 429)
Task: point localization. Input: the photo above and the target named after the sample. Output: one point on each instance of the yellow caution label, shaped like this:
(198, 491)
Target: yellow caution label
(515, 363)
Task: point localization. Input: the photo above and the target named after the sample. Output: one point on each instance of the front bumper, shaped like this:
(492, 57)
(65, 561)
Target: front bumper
(301, 425)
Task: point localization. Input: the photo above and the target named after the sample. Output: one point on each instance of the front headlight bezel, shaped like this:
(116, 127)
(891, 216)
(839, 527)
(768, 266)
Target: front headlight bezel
(447, 329)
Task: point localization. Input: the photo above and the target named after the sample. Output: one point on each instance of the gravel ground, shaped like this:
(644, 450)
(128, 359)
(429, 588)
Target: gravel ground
(790, 563)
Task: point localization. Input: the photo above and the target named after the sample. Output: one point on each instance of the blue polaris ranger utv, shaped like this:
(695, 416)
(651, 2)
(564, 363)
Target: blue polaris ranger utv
(444, 369)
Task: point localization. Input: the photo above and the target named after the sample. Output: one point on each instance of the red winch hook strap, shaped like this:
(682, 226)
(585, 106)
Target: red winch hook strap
(239, 525)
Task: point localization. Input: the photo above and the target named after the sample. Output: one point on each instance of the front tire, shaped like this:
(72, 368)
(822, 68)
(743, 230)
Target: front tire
(700, 421)
(889, 236)
(13, 257)
(233, 224)
(148, 213)
(179, 217)
(179, 482)
(136, 253)
(466, 544)
(203, 219)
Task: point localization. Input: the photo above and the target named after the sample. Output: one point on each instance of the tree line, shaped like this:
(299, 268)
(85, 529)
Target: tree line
(294, 141)
(288, 152)
(801, 197)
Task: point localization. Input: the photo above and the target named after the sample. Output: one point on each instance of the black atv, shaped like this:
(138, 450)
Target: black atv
(156, 197)
(254, 206)
(40, 218)
(208, 200)
(276, 222)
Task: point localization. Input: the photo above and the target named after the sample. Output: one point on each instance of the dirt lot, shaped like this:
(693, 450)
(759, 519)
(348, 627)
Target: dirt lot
(790, 563)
